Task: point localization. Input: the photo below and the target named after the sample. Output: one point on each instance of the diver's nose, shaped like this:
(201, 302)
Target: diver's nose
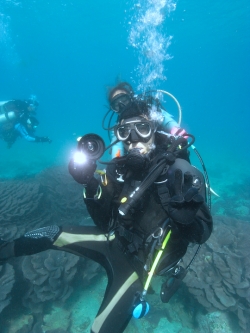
(134, 137)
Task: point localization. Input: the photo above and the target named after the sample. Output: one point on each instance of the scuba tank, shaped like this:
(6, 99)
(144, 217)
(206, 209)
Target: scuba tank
(6, 115)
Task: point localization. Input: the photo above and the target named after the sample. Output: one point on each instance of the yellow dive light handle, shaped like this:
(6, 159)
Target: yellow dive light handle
(159, 254)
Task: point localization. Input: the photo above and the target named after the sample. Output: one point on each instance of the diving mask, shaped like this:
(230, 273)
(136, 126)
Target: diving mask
(119, 102)
(143, 129)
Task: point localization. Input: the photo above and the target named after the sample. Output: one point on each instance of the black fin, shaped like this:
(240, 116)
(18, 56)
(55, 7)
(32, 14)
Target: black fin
(172, 284)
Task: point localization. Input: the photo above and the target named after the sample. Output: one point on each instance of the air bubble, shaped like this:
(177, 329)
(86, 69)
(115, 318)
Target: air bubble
(150, 43)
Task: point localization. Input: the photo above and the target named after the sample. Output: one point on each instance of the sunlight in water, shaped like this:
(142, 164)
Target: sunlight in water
(151, 44)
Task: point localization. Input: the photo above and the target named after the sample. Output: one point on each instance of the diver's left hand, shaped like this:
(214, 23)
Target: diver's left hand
(186, 201)
(43, 139)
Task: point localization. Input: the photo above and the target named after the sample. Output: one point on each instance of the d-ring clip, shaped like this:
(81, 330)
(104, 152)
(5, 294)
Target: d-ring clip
(157, 233)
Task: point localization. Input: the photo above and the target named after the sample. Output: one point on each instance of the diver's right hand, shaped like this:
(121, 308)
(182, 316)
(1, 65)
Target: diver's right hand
(82, 172)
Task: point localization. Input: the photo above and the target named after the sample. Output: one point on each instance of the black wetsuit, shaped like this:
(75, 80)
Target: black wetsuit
(124, 252)
(12, 128)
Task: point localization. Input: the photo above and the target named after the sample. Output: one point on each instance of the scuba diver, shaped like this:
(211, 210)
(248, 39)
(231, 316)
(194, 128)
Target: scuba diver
(14, 110)
(17, 120)
(25, 129)
(121, 95)
(147, 207)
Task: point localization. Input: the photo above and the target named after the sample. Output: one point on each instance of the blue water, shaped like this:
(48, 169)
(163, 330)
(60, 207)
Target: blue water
(68, 53)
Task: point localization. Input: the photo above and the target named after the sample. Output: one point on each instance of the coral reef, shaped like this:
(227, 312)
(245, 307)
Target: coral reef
(63, 194)
(7, 279)
(20, 203)
(220, 276)
(216, 322)
(49, 274)
(23, 324)
(31, 203)
(234, 199)
(38, 201)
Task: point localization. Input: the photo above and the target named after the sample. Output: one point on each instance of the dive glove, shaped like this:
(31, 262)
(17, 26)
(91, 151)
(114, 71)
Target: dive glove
(186, 201)
(82, 172)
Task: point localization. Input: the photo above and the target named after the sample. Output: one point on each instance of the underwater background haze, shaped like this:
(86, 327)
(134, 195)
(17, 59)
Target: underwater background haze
(68, 52)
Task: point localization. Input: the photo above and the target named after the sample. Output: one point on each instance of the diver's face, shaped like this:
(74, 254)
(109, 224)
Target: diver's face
(30, 127)
(136, 133)
(31, 108)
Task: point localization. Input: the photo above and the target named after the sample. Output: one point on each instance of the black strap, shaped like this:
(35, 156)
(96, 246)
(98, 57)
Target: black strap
(163, 193)
(134, 240)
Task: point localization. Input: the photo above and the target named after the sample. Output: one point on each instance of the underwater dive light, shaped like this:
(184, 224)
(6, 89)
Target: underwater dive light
(91, 145)
(80, 157)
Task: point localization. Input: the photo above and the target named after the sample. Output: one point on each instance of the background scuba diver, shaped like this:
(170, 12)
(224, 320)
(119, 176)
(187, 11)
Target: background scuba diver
(126, 238)
(17, 120)
(26, 129)
(14, 110)
(120, 96)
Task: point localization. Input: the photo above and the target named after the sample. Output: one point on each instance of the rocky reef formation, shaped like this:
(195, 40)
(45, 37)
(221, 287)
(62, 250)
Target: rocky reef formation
(219, 278)
(234, 199)
(52, 197)
(7, 279)
(49, 274)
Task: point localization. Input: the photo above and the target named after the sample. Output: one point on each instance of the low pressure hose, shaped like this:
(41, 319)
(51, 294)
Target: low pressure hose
(165, 161)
